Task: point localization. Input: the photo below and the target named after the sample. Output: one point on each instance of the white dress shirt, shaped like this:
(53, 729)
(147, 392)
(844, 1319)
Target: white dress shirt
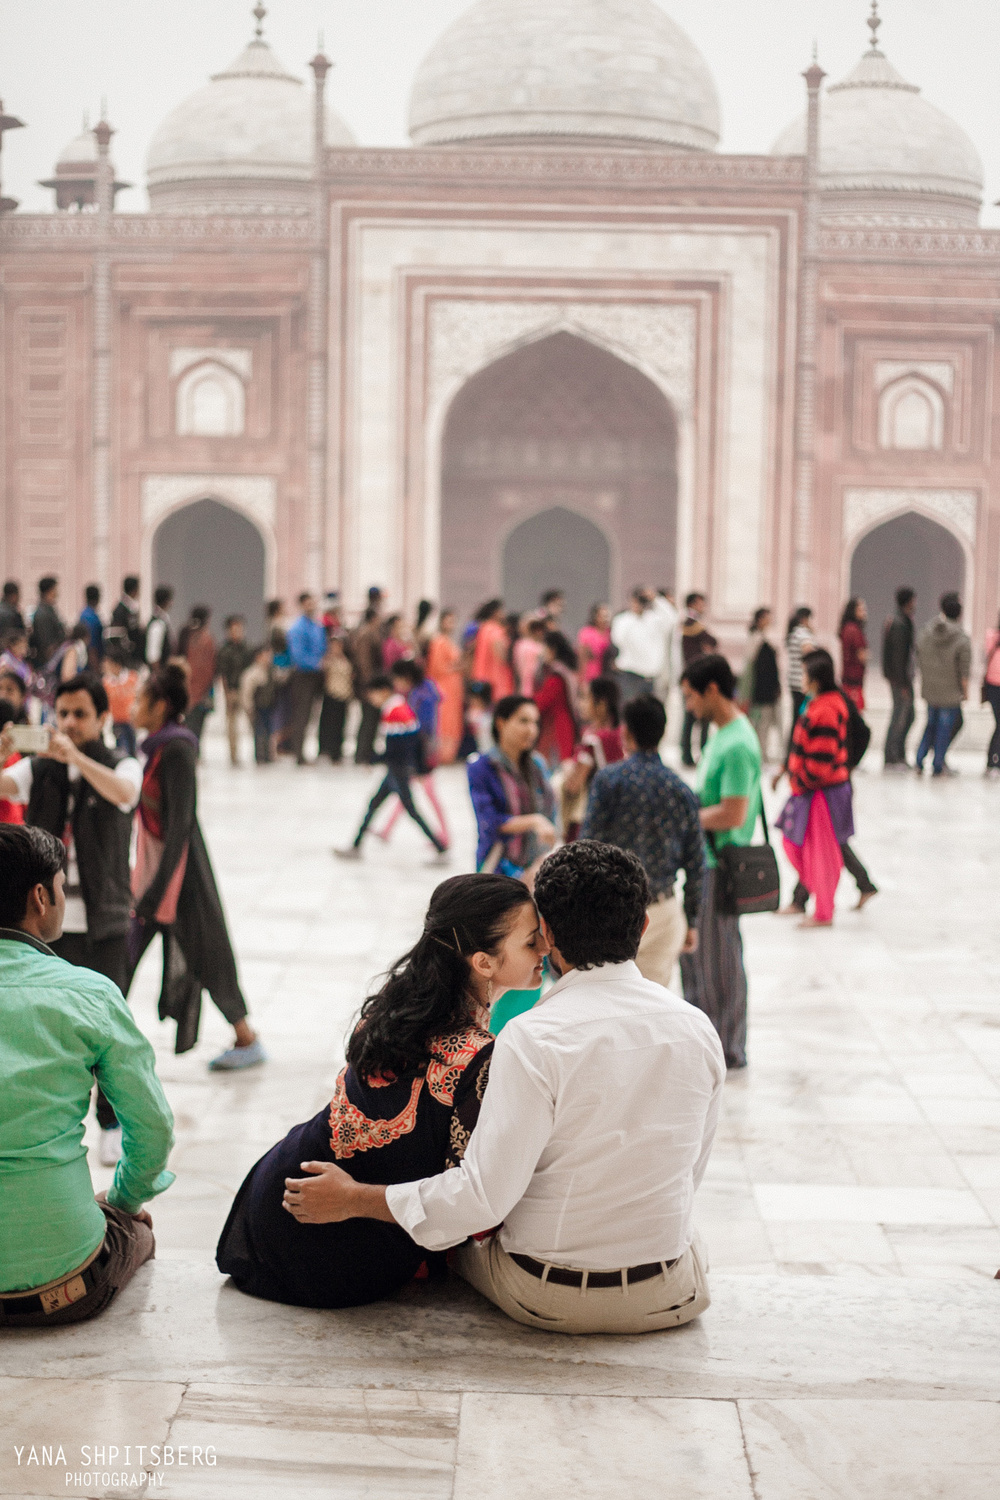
(594, 1133)
(642, 640)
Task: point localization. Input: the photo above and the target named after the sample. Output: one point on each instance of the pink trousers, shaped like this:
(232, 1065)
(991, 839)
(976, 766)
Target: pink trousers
(819, 861)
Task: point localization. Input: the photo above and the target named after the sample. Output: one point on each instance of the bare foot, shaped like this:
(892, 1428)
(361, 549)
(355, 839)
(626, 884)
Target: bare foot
(813, 922)
(791, 911)
(863, 898)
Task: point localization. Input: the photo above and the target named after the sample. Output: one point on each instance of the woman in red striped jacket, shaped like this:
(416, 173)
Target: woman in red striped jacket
(818, 816)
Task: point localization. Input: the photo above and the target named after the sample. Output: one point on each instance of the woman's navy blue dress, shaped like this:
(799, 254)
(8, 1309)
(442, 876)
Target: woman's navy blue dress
(380, 1132)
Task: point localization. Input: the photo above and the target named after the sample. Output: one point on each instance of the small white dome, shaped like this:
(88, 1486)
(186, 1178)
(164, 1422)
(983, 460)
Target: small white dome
(82, 148)
(253, 123)
(881, 142)
(614, 69)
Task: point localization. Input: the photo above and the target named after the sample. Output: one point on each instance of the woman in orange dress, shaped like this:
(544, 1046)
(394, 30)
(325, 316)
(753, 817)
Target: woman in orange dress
(444, 668)
(491, 661)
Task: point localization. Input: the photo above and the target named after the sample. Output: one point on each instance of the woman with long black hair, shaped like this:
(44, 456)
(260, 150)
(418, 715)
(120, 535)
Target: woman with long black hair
(173, 885)
(404, 1107)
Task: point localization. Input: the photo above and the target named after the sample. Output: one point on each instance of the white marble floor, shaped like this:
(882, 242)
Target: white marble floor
(851, 1209)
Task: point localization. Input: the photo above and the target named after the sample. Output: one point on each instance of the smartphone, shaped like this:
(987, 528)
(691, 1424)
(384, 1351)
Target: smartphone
(29, 739)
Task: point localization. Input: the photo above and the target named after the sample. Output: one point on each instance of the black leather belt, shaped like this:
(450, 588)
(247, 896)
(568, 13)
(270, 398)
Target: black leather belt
(564, 1276)
(23, 1304)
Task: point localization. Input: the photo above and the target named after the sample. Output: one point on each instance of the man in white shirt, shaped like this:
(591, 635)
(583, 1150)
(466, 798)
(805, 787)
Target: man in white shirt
(595, 1131)
(85, 794)
(642, 635)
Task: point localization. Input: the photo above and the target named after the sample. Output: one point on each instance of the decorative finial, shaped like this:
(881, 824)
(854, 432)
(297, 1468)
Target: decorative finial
(874, 22)
(260, 12)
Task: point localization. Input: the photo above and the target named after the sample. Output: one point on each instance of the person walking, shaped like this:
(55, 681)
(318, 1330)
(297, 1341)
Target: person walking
(366, 653)
(197, 647)
(729, 792)
(258, 698)
(644, 807)
(173, 886)
(991, 695)
(338, 691)
(817, 820)
(85, 794)
(95, 626)
(233, 658)
(556, 700)
(423, 696)
(401, 755)
(491, 655)
(759, 688)
(307, 644)
(695, 643)
(125, 617)
(593, 643)
(798, 640)
(47, 629)
(11, 618)
(854, 651)
(444, 669)
(159, 643)
(944, 653)
(898, 643)
(64, 1254)
(640, 635)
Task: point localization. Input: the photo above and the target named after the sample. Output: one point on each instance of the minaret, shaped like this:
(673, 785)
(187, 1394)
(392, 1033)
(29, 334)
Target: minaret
(8, 122)
(101, 481)
(805, 395)
(316, 558)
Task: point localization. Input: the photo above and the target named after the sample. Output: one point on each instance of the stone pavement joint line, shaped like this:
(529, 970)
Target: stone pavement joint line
(851, 1212)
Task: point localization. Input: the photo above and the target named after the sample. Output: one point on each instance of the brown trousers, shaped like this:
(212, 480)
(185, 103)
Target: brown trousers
(129, 1243)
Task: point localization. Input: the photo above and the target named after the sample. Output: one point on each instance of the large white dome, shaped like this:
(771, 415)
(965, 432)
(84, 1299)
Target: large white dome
(247, 135)
(614, 69)
(887, 154)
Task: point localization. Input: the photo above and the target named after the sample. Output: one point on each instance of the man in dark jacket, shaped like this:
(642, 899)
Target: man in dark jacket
(695, 642)
(47, 630)
(11, 617)
(897, 668)
(125, 616)
(85, 794)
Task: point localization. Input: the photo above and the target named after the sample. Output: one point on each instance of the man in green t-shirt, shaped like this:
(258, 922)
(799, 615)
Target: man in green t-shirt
(729, 792)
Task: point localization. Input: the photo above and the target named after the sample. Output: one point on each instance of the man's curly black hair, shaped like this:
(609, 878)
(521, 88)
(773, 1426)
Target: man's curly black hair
(594, 898)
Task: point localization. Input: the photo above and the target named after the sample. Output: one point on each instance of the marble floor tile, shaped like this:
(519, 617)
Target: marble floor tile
(51, 1429)
(553, 1447)
(857, 1450)
(796, 1202)
(273, 1440)
(852, 1244)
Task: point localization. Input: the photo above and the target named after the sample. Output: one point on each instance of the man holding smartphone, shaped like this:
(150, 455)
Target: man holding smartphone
(85, 794)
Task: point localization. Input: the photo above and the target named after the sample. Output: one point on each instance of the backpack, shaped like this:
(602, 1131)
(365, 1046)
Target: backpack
(858, 734)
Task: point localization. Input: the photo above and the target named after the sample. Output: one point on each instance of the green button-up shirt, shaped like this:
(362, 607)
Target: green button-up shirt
(60, 1028)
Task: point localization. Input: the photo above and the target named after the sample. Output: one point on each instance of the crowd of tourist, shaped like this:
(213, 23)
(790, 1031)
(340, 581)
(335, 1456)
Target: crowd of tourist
(538, 985)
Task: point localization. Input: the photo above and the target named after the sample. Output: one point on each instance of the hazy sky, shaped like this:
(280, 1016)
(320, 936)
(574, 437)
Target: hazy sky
(58, 57)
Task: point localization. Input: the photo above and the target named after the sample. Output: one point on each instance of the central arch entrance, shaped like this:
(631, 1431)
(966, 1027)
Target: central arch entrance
(211, 554)
(559, 470)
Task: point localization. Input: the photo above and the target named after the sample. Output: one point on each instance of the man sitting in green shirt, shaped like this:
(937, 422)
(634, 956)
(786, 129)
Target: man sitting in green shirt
(63, 1253)
(728, 789)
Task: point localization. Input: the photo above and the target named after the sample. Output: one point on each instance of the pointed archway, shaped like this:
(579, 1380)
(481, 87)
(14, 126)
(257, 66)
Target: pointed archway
(568, 436)
(909, 549)
(211, 554)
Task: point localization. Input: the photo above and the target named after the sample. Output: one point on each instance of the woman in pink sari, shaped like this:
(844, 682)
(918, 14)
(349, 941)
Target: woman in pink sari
(444, 668)
(818, 817)
(491, 659)
(593, 643)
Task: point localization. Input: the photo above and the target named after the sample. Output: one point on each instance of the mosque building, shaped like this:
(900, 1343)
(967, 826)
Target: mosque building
(560, 338)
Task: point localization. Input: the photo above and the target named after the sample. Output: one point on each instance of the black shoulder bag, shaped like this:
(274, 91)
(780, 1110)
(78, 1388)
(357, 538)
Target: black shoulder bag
(747, 875)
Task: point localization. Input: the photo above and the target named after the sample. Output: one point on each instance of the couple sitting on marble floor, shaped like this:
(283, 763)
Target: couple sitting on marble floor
(557, 1162)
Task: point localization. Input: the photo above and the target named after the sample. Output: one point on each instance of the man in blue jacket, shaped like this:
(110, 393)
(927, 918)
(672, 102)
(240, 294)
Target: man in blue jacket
(307, 644)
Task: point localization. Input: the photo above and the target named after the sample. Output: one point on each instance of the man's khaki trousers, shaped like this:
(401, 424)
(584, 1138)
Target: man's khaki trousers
(675, 1296)
(662, 941)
